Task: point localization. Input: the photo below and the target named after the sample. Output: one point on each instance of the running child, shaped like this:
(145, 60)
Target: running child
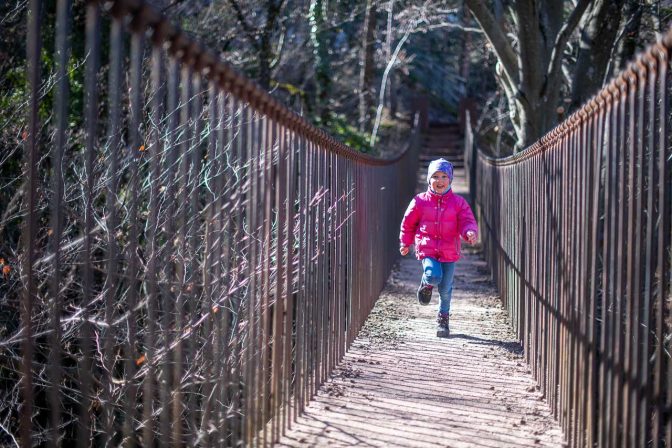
(435, 221)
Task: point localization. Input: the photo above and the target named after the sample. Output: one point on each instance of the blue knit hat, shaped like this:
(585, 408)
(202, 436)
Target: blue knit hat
(440, 165)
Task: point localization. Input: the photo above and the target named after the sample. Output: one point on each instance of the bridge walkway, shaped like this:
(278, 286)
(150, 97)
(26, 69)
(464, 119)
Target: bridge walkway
(400, 385)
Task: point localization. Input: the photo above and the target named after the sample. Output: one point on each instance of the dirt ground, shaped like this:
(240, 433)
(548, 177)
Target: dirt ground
(400, 385)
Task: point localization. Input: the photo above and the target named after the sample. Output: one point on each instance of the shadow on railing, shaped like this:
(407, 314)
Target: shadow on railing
(577, 233)
(195, 258)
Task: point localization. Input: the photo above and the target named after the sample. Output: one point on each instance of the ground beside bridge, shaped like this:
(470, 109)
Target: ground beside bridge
(400, 385)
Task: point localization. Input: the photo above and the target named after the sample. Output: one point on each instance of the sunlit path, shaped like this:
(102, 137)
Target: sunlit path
(401, 385)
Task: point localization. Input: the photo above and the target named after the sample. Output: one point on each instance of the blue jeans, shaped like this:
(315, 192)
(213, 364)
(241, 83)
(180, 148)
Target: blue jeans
(439, 274)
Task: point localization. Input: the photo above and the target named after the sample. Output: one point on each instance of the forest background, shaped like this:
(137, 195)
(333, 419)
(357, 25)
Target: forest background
(357, 68)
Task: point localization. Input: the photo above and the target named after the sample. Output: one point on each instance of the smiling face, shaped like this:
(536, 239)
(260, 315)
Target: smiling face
(439, 182)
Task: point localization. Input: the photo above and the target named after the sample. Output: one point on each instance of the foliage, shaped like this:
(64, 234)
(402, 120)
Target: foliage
(342, 129)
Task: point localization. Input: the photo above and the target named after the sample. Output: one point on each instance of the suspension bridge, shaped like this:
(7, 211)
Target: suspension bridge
(199, 266)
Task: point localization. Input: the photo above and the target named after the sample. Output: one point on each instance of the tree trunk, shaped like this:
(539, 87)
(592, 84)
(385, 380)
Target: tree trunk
(391, 94)
(320, 41)
(600, 28)
(394, 100)
(366, 73)
(630, 34)
(530, 77)
(465, 52)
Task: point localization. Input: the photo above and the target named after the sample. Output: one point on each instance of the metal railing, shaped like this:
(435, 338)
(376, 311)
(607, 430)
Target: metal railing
(577, 230)
(195, 259)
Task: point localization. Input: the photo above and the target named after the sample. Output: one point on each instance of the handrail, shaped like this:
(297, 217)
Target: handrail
(191, 51)
(577, 232)
(195, 258)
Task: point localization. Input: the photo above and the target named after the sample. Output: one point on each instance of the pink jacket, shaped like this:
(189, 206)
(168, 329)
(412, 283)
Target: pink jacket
(434, 223)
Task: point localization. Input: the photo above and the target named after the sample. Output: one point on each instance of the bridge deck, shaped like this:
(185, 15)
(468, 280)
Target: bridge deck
(400, 385)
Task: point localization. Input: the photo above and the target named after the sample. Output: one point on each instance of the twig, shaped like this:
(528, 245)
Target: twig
(10, 435)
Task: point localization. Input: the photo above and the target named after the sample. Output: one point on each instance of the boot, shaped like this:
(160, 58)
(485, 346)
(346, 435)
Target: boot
(443, 325)
(425, 294)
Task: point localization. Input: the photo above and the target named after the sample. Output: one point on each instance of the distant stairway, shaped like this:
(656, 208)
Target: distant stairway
(441, 140)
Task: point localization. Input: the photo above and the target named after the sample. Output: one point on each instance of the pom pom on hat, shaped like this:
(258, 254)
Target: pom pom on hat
(440, 165)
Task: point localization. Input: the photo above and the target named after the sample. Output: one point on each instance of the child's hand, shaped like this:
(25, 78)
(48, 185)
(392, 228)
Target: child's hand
(471, 237)
(403, 250)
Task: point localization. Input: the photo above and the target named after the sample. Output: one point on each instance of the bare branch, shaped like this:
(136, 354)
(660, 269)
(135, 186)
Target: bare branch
(561, 42)
(497, 39)
(249, 30)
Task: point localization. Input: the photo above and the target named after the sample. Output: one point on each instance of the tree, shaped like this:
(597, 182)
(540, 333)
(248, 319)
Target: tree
(530, 67)
(262, 37)
(367, 66)
(320, 40)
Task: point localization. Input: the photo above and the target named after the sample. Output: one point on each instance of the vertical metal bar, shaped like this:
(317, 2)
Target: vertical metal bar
(277, 291)
(666, 274)
(266, 279)
(314, 258)
(318, 282)
(193, 286)
(569, 361)
(633, 268)
(136, 149)
(307, 293)
(648, 95)
(155, 150)
(211, 305)
(611, 278)
(289, 276)
(169, 294)
(226, 260)
(323, 289)
(228, 279)
(352, 257)
(340, 222)
(283, 310)
(663, 243)
(545, 271)
(606, 312)
(220, 288)
(628, 294)
(557, 276)
(597, 286)
(238, 276)
(112, 268)
(619, 281)
(56, 221)
(333, 280)
(253, 385)
(301, 277)
(638, 280)
(580, 281)
(91, 113)
(571, 298)
(310, 271)
(180, 246)
(29, 230)
(250, 384)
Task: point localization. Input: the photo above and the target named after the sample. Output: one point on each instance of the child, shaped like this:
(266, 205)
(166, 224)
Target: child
(434, 221)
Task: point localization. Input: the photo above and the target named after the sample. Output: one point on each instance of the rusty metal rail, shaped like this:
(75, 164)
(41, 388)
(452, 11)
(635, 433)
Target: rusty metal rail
(577, 232)
(195, 259)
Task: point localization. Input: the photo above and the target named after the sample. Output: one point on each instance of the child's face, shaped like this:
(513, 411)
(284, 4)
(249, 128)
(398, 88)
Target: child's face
(439, 182)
